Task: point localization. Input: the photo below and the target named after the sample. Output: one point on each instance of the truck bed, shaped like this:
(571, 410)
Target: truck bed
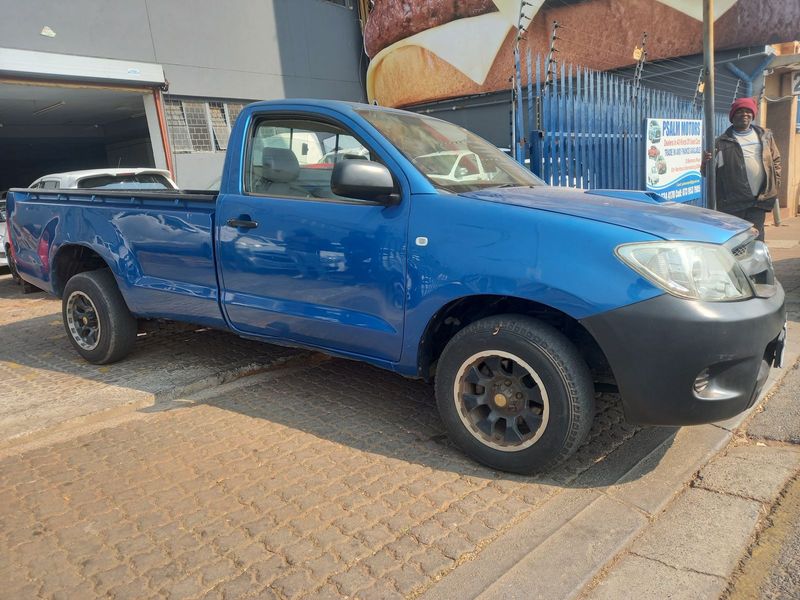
(159, 243)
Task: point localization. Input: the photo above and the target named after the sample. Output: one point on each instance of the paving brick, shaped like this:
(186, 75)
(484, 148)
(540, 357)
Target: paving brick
(455, 545)
(178, 544)
(279, 539)
(403, 548)
(268, 569)
(196, 558)
(241, 586)
(106, 580)
(98, 563)
(327, 592)
(301, 552)
(293, 583)
(260, 527)
(149, 560)
(248, 554)
(231, 541)
(135, 589)
(217, 571)
(380, 590)
(406, 578)
(84, 590)
(381, 563)
(164, 575)
(59, 576)
(351, 550)
(188, 587)
(23, 590)
(353, 581)
(133, 542)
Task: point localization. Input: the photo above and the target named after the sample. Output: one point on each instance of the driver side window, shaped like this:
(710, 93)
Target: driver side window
(295, 157)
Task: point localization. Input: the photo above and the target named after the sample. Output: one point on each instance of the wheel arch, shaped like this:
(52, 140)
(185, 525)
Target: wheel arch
(71, 259)
(460, 312)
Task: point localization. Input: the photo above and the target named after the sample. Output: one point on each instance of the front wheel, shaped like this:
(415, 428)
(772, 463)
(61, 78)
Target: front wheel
(98, 322)
(514, 394)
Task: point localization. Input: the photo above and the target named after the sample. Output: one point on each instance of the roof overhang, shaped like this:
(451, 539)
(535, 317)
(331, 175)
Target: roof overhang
(29, 64)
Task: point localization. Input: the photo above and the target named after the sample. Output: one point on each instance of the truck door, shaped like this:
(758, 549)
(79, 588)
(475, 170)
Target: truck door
(300, 263)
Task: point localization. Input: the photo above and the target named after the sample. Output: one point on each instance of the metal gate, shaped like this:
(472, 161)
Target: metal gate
(586, 128)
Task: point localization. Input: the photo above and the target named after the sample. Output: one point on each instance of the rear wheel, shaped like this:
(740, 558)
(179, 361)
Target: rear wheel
(12, 266)
(98, 322)
(514, 394)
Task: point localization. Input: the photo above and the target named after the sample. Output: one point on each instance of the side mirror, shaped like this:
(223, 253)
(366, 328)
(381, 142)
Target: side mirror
(364, 180)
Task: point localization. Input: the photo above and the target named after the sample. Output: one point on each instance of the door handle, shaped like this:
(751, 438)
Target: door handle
(242, 223)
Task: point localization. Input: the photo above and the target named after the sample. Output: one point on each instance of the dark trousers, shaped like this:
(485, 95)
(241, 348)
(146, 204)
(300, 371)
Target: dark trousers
(755, 216)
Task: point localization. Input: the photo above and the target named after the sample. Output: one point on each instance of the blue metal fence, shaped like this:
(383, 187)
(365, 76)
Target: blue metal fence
(586, 128)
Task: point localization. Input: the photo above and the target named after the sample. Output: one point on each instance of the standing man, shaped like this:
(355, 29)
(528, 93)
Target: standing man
(748, 167)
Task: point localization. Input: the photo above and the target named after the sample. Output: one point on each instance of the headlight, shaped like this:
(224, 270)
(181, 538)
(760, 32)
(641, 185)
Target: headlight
(689, 269)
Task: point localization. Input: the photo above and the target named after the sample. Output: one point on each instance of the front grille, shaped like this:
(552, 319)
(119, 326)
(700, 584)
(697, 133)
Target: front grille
(744, 250)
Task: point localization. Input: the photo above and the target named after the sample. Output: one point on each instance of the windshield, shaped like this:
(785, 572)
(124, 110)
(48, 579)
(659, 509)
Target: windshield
(142, 181)
(452, 158)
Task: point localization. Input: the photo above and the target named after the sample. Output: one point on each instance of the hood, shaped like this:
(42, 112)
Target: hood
(667, 220)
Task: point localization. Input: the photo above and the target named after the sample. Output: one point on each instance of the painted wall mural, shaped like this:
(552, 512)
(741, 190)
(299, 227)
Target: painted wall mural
(426, 50)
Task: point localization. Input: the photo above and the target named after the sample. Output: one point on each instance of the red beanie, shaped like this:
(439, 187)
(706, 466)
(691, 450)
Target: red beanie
(747, 103)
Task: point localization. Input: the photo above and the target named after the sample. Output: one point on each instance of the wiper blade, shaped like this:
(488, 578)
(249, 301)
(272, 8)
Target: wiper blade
(509, 185)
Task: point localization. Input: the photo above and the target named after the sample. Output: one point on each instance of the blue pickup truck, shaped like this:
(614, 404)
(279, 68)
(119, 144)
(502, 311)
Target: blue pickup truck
(411, 244)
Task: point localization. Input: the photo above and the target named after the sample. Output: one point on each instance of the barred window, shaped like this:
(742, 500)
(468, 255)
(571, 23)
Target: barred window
(219, 125)
(234, 108)
(200, 125)
(176, 122)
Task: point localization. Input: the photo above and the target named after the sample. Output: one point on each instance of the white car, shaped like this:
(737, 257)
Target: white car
(335, 156)
(110, 179)
(3, 257)
(453, 165)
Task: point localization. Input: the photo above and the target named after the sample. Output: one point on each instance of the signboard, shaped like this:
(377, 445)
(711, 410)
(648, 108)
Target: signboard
(674, 150)
(796, 83)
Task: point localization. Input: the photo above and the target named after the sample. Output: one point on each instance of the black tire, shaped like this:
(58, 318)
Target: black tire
(96, 318)
(12, 266)
(514, 394)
